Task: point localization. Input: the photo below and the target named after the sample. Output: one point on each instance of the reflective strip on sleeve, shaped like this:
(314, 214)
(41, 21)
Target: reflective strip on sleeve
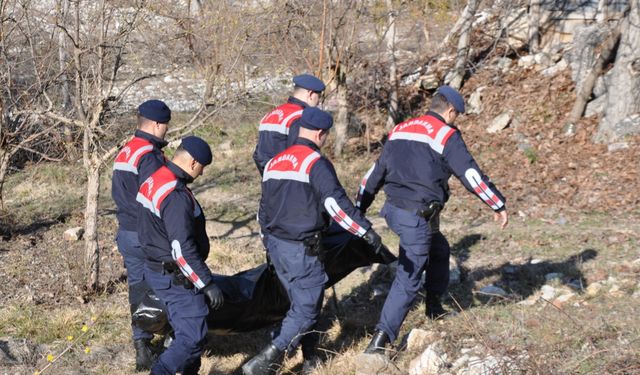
(363, 185)
(483, 191)
(176, 253)
(342, 218)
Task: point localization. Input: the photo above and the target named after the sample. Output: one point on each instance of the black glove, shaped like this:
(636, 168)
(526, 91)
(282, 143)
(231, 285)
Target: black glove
(214, 295)
(374, 240)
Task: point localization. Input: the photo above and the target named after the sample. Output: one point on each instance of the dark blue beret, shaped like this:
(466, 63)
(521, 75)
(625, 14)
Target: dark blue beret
(155, 110)
(198, 149)
(453, 97)
(309, 82)
(314, 119)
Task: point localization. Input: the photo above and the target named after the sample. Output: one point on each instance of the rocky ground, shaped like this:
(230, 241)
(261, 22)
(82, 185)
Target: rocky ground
(557, 292)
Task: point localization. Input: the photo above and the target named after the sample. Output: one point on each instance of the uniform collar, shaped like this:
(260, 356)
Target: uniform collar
(307, 142)
(297, 101)
(438, 117)
(157, 142)
(180, 173)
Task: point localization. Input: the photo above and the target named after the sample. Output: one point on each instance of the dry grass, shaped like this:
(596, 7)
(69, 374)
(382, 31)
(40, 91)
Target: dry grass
(589, 334)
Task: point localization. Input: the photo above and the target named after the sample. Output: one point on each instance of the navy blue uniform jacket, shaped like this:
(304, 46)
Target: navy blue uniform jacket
(301, 191)
(278, 130)
(171, 226)
(136, 161)
(416, 163)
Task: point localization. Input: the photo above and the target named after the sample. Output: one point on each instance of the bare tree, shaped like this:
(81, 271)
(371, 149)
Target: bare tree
(23, 48)
(390, 39)
(603, 11)
(456, 75)
(534, 25)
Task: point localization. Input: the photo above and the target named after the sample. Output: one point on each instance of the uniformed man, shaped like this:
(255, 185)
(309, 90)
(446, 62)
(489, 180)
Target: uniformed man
(171, 226)
(134, 163)
(300, 191)
(278, 129)
(414, 168)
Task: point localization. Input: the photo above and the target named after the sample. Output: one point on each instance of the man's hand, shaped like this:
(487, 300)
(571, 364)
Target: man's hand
(374, 240)
(503, 217)
(214, 295)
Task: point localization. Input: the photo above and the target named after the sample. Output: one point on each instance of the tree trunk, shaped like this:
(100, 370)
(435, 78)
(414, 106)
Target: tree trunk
(4, 167)
(586, 88)
(456, 76)
(390, 39)
(92, 251)
(603, 11)
(534, 26)
(65, 91)
(341, 119)
(623, 98)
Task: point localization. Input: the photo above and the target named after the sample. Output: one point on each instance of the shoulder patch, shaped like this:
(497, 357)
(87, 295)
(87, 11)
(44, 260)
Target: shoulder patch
(294, 163)
(425, 129)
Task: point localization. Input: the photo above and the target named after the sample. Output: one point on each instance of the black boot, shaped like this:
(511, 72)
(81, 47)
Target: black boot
(378, 342)
(265, 363)
(144, 354)
(433, 307)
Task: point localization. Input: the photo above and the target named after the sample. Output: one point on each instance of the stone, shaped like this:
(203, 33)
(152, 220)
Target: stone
(543, 59)
(375, 364)
(500, 122)
(536, 261)
(14, 351)
(225, 146)
(431, 362)
(527, 61)
(583, 54)
(486, 366)
(593, 289)
(73, 234)
(418, 338)
(493, 290)
(428, 82)
(563, 298)
(617, 146)
(548, 292)
(600, 88)
(474, 104)
(596, 106)
(528, 302)
(504, 64)
(553, 70)
(460, 363)
(553, 276)
(629, 126)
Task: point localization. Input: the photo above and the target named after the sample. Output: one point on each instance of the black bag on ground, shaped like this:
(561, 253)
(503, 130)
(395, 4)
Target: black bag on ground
(255, 298)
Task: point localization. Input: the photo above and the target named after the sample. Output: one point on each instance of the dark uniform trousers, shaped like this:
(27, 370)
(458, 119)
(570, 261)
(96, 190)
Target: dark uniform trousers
(187, 312)
(420, 249)
(303, 278)
(131, 250)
